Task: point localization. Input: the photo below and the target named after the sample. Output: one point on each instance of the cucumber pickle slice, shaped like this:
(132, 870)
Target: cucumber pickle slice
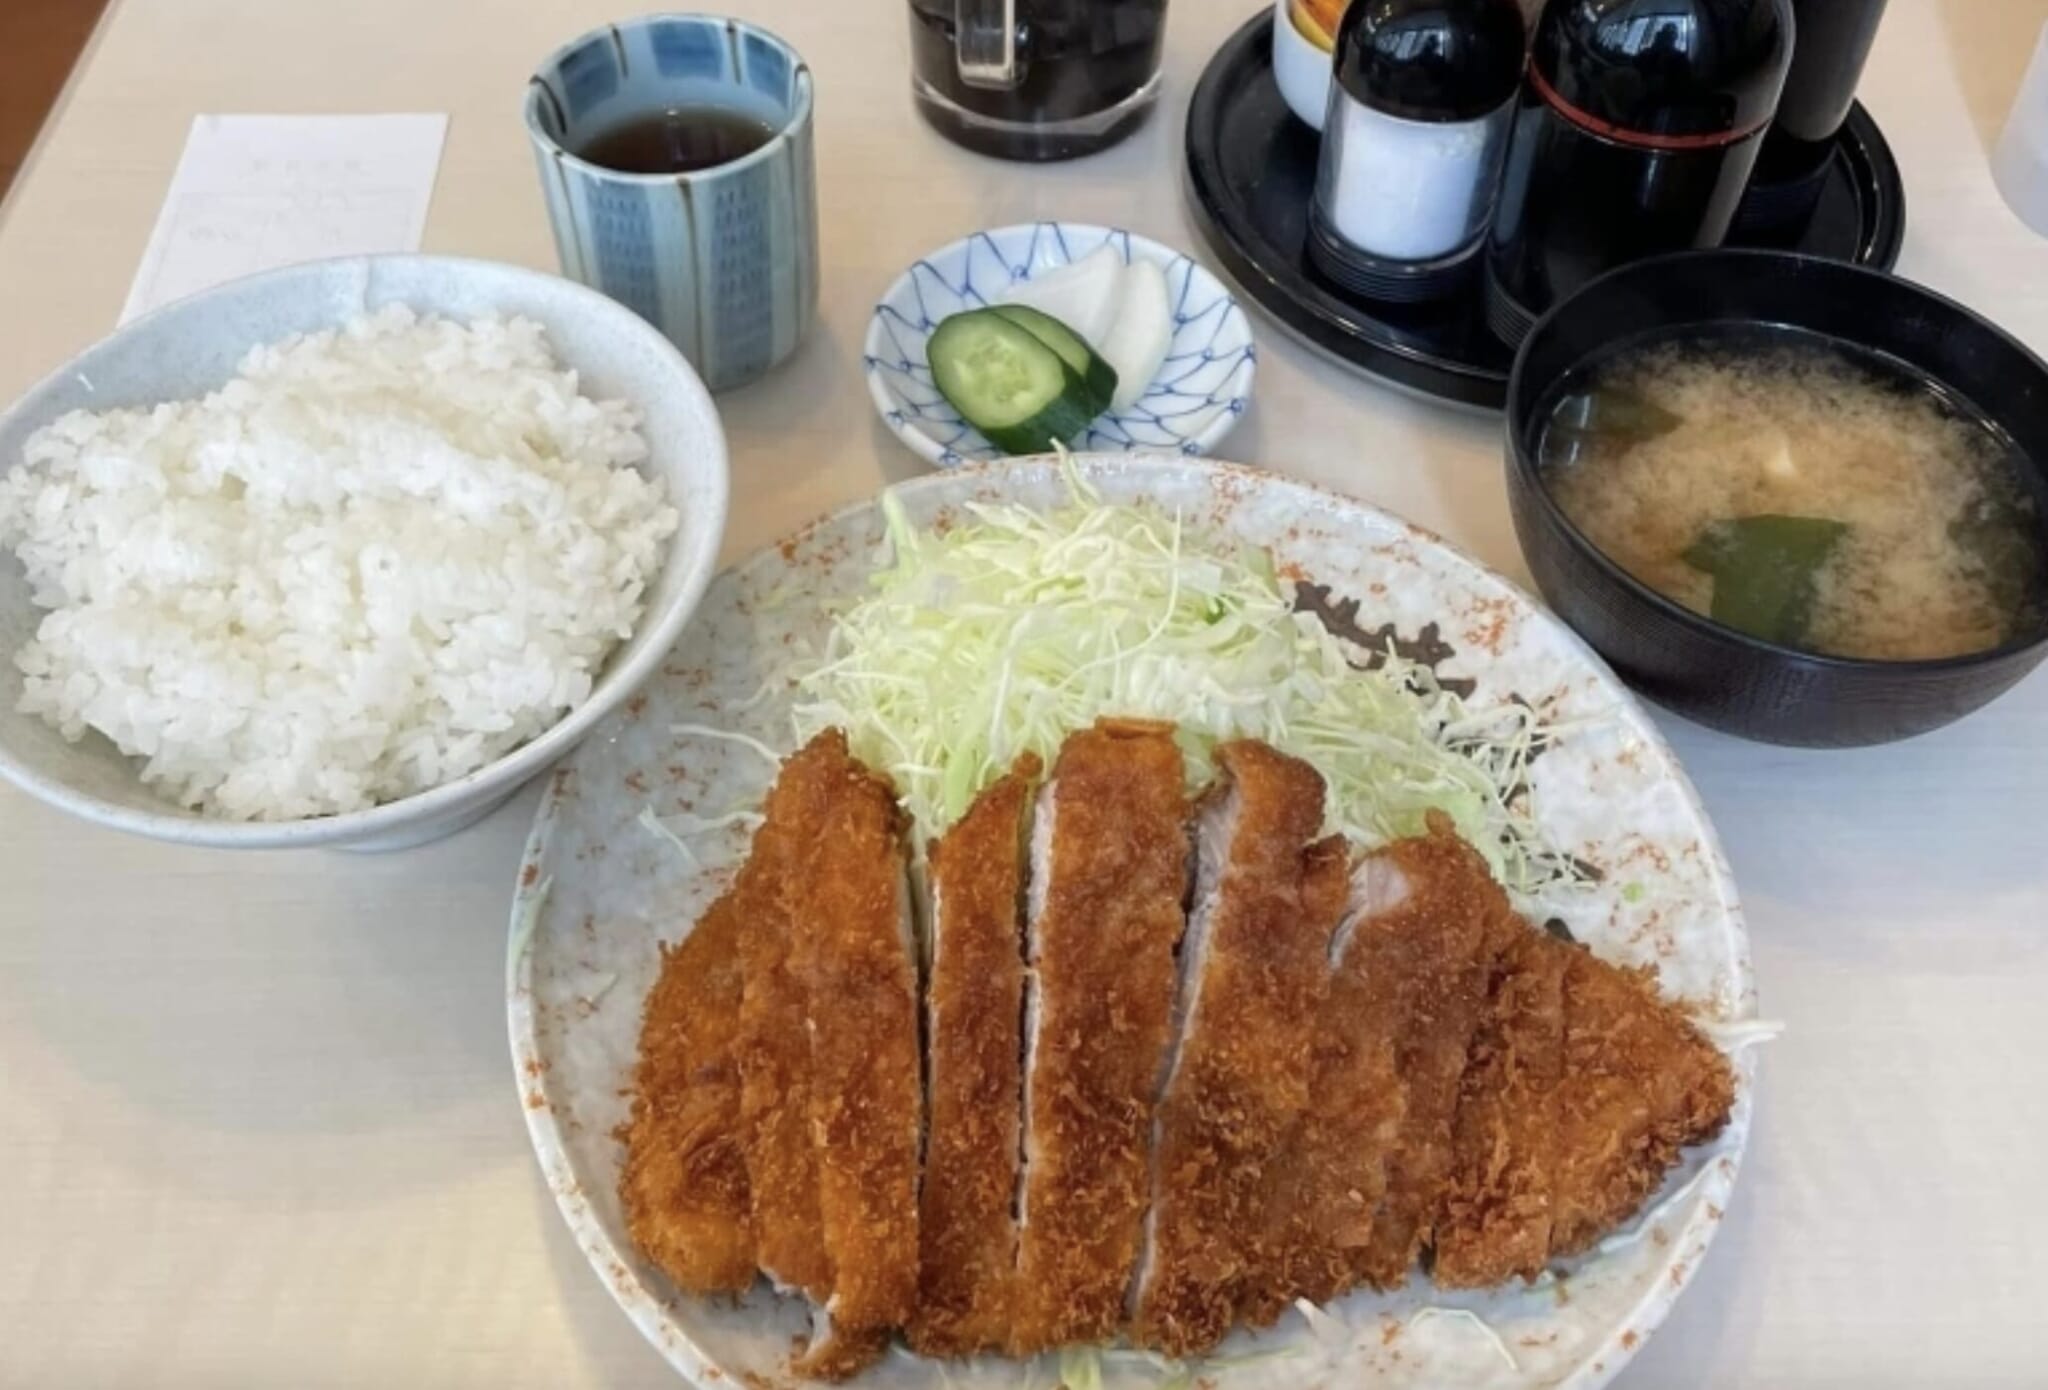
(1097, 376)
(1007, 383)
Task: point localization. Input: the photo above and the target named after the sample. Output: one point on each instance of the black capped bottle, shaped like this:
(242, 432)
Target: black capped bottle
(1833, 43)
(1420, 103)
(1637, 128)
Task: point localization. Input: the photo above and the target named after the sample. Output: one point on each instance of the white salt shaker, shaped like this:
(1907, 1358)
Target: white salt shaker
(2019, 162)
(1420, 106)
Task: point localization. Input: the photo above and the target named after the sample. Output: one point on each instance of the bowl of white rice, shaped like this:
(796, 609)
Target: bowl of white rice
(344, 554)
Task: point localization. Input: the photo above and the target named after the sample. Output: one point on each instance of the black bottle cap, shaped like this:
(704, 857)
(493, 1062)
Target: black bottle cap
(1431, 60)
(1671, 73)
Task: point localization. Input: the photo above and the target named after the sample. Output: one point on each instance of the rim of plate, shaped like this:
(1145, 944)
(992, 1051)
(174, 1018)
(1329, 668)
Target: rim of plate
(1597, 1365)
(933, 452)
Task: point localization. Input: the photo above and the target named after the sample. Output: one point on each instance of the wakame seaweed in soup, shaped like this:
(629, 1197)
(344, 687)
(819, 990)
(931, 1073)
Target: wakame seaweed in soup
(1809, 494)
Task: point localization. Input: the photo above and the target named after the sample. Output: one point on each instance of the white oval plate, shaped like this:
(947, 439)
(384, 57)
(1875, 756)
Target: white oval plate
(598, 892)
(1198, 397)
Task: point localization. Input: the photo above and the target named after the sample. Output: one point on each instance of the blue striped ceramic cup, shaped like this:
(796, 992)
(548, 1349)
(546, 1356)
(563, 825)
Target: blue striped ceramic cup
(723, 260)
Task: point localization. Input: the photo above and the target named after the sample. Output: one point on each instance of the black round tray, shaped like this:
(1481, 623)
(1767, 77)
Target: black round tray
(1252, 170)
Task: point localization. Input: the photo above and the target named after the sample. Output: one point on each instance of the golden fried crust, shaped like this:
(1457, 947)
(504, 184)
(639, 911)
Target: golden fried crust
(1495, 1220)
(1397, 995)
(854, 942)
(1349, 1104)
(1241, 1077)
(1324, 1190)
(684, 1184)
(968, 1235)
(1104, 965)
(775, 1056)
(1440, 944)
(1640, 1083)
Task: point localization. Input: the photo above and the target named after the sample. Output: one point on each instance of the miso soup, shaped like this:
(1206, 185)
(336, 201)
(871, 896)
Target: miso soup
(1810, 495)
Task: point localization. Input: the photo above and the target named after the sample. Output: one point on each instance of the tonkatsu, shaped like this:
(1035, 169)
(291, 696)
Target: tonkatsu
(1254, 975)
(775, 1051)
(1152, 1068)
(684, 1184)
(855, 944)
(1640, 1083)
(1495, 1221)
(1438, 939)
(1109, 856)
(975, 1042)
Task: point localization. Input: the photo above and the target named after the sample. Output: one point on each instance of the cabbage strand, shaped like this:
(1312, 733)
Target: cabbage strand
(1014, 628)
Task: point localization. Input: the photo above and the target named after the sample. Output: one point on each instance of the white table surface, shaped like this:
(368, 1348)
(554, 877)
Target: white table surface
(257, 1123)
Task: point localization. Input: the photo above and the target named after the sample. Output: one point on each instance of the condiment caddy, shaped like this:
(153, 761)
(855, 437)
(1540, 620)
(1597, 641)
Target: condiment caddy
(1429, 289)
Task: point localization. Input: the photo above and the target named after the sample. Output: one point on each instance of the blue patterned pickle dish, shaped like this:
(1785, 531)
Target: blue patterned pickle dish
(1198, 397)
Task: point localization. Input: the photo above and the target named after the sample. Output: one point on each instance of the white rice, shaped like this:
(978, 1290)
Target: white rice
(378, 559)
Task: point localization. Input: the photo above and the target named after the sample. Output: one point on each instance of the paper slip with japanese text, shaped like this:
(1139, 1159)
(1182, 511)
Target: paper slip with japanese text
(254, 193)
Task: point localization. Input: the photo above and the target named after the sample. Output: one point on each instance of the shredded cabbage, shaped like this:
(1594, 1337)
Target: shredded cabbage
(1231, 1363)
(729, 736)
(1467, 1316)
(678, 830)
(652, 824)
(1324, 1328)
(1143, 1356)
(1003, 633)
(1081, 1368)
(1735, 1035)
(525, 919)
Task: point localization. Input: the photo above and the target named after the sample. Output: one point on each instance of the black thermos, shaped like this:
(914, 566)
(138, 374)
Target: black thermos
(1833, 39)
(1636, 130)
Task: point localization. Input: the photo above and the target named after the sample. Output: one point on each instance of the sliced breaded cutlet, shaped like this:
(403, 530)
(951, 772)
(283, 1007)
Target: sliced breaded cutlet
(684, 1183)
(855, 946)
(974, 1032)
(1640, 1083)
(1109, 869)
(1254, 968)
(1324, 1190)
(1347, 1201)
(1495, 1221)
(1440, 940)
(775, 1051)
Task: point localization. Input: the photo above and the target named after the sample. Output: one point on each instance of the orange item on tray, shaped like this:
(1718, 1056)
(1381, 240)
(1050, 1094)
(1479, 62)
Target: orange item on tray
(1317, 20)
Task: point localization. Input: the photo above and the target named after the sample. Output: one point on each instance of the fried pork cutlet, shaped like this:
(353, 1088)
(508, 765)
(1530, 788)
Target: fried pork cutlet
(1254, 974)
(1640, 1083)
(1495, 1220)
(1346, 1201)
(855, 945)
(1322, 1193)
(684, 1185)
(775, 1051)
(1193, 1133)
(1441, 941)
(974, 1027)
(1109, 867)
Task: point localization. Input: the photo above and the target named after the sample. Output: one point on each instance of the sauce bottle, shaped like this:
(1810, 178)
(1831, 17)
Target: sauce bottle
(1834, 38)
(1637, 128)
